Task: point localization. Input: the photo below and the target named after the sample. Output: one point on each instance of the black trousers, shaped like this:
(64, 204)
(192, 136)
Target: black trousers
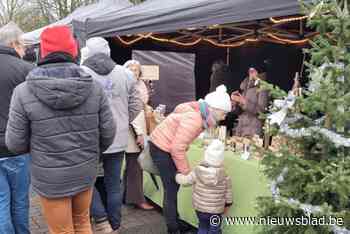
(167, 170)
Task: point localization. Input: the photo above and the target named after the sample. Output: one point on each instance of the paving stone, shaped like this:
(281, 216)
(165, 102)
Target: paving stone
(134, 221)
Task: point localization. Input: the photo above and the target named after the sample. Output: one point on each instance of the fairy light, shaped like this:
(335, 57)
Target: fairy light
(214, 26)
(134, 40)
(287, 20)
(287, 40)
(224, 45)
(150, 36)
(176, 42)
(129, 42)
(252, 40)
(213, 42)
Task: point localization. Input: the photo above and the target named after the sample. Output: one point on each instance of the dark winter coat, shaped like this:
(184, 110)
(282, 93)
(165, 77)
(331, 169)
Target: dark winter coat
(13, 72)
(249, 122)
(62, 116)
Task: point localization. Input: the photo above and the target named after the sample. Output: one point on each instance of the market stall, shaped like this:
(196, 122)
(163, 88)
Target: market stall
(247, 180)
(241, 33)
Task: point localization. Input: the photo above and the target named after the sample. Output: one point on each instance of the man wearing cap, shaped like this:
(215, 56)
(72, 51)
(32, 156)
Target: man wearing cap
(62, 116)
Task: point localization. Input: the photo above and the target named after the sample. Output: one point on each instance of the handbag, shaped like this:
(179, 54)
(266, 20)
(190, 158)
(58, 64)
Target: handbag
(145, 160)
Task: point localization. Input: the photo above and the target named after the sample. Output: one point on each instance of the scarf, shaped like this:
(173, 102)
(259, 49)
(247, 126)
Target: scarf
(209, 120)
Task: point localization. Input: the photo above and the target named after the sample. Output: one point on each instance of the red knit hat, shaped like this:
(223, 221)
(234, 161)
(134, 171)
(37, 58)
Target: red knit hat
(58, 39)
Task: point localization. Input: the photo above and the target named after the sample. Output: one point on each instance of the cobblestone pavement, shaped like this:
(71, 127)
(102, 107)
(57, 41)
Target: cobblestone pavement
(134, 221)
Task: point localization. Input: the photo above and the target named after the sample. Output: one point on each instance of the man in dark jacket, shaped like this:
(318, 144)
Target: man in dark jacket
(63, 117)
(14, 169)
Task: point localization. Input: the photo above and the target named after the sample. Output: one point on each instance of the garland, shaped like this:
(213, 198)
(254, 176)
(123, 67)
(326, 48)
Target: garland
(308, 209)
(337, 139)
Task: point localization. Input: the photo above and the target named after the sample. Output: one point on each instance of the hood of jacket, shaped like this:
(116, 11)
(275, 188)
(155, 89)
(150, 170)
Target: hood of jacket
(8, 50)
(100, 63)
(209, 175)
(187, 107)
(60, 85)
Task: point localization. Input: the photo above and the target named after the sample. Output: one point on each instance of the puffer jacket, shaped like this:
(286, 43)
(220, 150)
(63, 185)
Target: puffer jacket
(62, 117)
(212, 188)
(175, 134)
(124, 98)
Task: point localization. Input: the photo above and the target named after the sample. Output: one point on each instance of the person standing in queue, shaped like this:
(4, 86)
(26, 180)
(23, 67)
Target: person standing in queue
(61, 116)
(133, 175)
(14, 168)
(124, 99)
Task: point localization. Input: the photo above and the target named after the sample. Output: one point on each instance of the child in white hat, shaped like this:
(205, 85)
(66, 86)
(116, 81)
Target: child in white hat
(212, 188)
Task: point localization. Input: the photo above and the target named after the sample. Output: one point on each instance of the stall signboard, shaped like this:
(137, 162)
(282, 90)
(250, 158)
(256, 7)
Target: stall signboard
(150, 72)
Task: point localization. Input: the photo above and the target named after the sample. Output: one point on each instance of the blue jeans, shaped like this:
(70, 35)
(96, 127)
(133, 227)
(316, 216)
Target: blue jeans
(112, 164)
(14, 195)
(205, 226)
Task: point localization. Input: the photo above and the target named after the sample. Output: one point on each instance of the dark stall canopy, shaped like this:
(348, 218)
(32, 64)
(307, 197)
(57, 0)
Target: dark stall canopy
(81, 14)
(227, 21)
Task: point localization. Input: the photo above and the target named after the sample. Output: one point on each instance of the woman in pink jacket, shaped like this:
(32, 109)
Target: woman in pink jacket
(171, 139)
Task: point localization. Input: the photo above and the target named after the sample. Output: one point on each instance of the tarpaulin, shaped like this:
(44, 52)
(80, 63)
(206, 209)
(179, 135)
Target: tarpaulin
(176, 71)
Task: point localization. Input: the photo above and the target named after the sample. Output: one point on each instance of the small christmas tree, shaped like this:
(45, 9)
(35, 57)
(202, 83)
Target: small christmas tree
(313, 180)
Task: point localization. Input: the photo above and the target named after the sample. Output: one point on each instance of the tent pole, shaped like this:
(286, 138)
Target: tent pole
(228, 56)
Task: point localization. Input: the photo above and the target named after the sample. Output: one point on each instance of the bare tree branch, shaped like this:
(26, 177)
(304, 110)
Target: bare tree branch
(32, 14)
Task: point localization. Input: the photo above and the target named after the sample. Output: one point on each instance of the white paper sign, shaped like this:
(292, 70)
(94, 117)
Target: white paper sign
(150, 72)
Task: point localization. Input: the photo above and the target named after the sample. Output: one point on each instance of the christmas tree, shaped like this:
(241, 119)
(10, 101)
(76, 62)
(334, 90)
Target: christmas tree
(312, 178)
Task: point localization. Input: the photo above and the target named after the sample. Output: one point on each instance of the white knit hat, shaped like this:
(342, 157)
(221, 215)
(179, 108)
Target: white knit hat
(219, 99)
(96, 45)
(214, 154)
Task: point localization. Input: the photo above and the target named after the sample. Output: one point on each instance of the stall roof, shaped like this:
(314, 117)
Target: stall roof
(160, 16)
(81, 14)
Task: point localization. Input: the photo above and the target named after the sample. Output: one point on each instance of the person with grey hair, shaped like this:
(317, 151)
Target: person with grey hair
(133, 174)
(14, 168)
(124, 99)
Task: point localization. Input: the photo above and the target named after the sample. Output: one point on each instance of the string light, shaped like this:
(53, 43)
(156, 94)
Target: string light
(214, 26)
(252, 39)
(177, 42)
(135, 40)
(225, 45)
(287, 20)
(287, 40)
(213, 42)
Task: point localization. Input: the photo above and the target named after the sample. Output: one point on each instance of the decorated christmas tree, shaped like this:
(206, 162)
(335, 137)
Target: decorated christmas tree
(312, 178)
